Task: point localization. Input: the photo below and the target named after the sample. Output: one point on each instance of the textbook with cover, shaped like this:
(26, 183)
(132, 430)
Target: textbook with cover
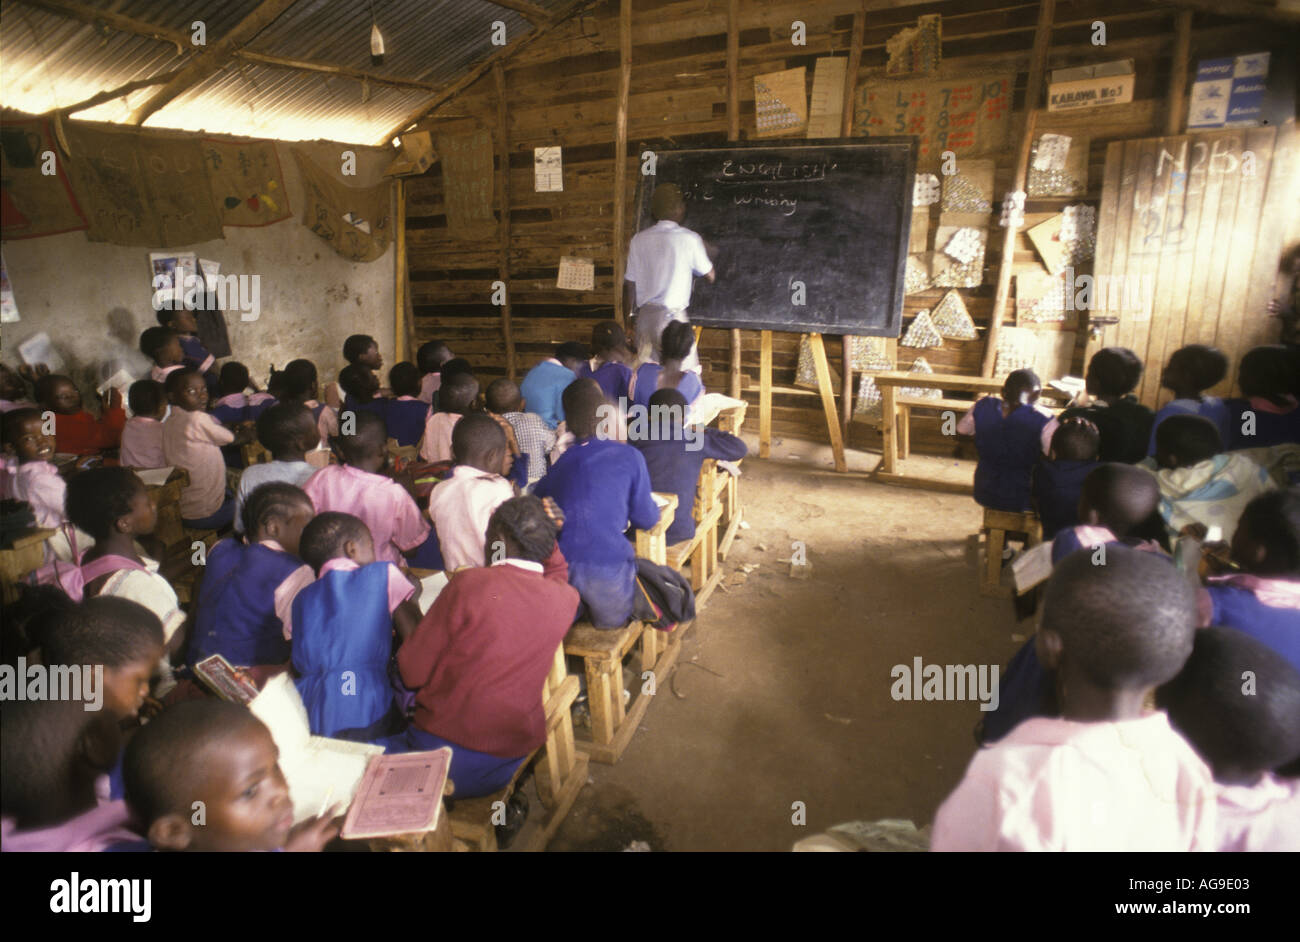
(400, 794)
(225, 680)
(320, 771)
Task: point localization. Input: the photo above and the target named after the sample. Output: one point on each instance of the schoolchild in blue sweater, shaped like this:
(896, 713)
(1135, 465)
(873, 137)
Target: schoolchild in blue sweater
(1059, 477)
(601, 486)
(343, 637)
(1008, 434)
(246, 597)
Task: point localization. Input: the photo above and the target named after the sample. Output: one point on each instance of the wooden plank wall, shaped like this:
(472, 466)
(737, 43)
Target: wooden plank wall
(563, 90)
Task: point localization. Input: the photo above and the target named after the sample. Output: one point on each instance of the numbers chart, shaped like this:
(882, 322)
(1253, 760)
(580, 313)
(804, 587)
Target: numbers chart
(966, 116)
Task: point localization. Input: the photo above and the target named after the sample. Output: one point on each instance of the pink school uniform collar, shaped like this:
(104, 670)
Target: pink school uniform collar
(407, 399)
(233, 399)
(341, 563)
(1275, 593)
(1261, 404)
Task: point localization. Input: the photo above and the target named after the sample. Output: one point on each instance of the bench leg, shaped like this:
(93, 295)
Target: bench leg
(993, 560)
(904, 431)
(604, 698)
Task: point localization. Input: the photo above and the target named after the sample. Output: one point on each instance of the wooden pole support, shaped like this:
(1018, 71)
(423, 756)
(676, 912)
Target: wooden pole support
(503, 202)
(620, 154)
(400, 327)
(1033, 100)
(733, 134)
(765, 394)
(1178, 72)
(828, 399)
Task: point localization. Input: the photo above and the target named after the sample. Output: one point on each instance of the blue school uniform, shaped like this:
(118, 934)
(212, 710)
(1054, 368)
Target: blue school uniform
(378, 405)
(342, 642)
(405, 419)
(1008, 448)
(1056, 489)
(1238, 607)
(647, 382)
(675, 468)
(236, 616)
(1270, 427)
(228, 414)
(194, 354)
(601, 486)
(612, 377)
(543, 388)
(1211, 407)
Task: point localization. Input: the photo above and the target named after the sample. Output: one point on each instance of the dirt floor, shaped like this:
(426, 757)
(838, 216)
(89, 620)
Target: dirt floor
(782, 691)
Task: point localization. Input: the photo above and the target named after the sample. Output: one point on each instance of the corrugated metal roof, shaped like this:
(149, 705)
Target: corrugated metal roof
(51, 61)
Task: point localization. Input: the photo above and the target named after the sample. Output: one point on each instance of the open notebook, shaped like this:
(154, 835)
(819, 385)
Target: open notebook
(320, 771)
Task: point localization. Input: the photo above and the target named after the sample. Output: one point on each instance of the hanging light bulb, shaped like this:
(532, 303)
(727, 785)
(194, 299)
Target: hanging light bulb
(376, 45)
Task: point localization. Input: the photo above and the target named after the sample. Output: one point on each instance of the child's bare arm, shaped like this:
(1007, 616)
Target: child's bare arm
(312, 835)
(406, 618)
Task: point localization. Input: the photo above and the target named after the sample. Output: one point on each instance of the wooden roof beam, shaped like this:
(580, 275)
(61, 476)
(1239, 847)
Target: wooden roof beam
(537, 15)
(343, 71)
(212, 59)
(1244, 8)
(118, 92)
(125, 24)
(476, 72)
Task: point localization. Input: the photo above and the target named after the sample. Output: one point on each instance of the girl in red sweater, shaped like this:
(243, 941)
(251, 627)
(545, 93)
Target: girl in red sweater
(76, 431)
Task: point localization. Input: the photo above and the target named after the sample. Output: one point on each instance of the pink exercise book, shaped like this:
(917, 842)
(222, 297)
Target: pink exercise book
(400, 794)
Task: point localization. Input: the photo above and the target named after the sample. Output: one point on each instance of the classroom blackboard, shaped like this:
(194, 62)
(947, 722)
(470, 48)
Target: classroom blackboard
(831, 215)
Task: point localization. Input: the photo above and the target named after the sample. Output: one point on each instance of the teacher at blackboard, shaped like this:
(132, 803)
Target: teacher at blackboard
(662, 262)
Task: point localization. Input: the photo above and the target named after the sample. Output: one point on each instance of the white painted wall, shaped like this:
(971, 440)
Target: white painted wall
(93, 299)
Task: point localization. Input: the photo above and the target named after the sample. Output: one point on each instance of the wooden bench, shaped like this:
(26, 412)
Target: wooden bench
(997, 524)
(905, 406)
(613, 722)
(254, 453)
(701, 550)
(403, 452)
(20, 560)
(559, 771)
(726, 489)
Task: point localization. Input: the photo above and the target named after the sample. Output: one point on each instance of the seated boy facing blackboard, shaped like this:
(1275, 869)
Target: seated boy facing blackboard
(1123, 422)
(1007, 432)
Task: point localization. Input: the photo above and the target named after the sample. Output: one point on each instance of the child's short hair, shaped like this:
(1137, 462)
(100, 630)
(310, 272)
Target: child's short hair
(1076, 440)
(27, 621)
(44, 388)
(234, 378)
(104, 629)
(270, 501)
(177, 378)
(453, 366)
(570, 350)
(300, 377)
(1188, 439)
(457, 392)
(1204, 366)
(357, 381)
(284, 427)
(476, 435)
(404, 379)
(1238, 735)
(669, 397)
(1114, 371)
(99, 497)
(154, 339)
(276, 384)
(1019, 382)
(1268, 372)
(676, 341)
(1272, 521)
(581, 401)
(1127, 624)
(12, 421)
(523, 521)
(146, 397)
(43, 752)
(161, 770)
(369, 435)
(324, 537)
(166, 315)
(502, 396)
(356, 346)
(430, 357)
(1124, 496)
(608, 336)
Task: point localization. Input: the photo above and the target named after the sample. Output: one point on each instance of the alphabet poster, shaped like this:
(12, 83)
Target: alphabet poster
(467, 183)
(247, 182)
(966, 116)
(140, 189)
(330, 204)
(32, 201)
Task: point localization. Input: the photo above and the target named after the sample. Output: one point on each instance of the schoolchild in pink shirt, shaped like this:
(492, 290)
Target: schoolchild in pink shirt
(430, 358)
(461, 506)
(1106, 775)
(455, 398)
(163, 346)
(356, 487)
(32, 478)
(54, 756)
(142, 436)
(192, 440)
(1244, 737)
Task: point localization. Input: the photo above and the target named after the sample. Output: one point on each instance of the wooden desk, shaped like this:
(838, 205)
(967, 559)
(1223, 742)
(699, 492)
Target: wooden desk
(889, 382)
